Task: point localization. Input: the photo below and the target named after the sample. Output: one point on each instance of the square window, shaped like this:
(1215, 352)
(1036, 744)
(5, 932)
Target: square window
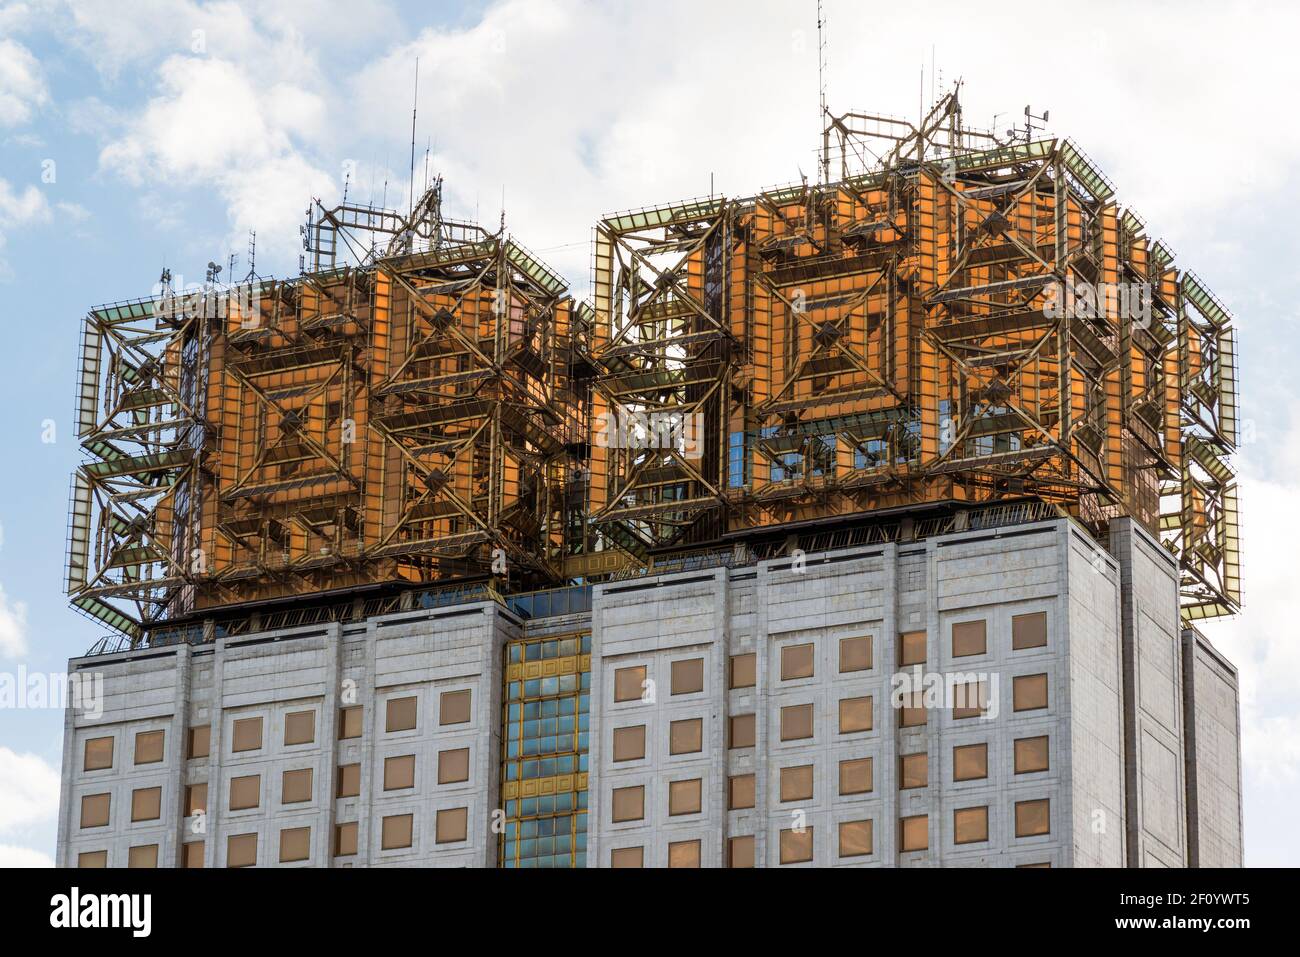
(970, 762)
(452, 825)
(146, 804)
(349, 781)
(744, 670)
(970, 825)
(92, 859)
(199, 741)
(969, 699)
(350, 723)
(969, 638)
(98, 754)
(913, 770)
(796, 722)
(855, 654)
(855, 715)
(629, 683)
(796, 846)
(295, 844)
(1029, 631)
(142, 855)
(399, 772)
(911, 711)
(855, 838)
(684, 854)
(740, 851)
(345, 839)
(401, 714)
(740, 791)
(797, 783)
(245, 792)
(295, 786)
(686, 736)
(453, 766)
(856, 776)
(1031, 754)
(796, 661)
(192, 856)
(454, 707)
(247, 734)
(911, 648)
(629, 743)
(684, 797)
(1032, 818)
(688, 676)
(241, 850)
(94, 810)
(627, 857)
(742, 731)
(1029, 692)
(629, 803)
(196, 799)
(396, 831)
(914, 833)
(300, 727)
(149, 747)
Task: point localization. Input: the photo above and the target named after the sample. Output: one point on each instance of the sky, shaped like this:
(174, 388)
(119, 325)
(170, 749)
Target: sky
(160, 133)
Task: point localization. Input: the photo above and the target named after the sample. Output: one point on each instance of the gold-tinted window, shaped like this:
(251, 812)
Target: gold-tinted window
(629, 803)
(1031, 754)
(744, 670)
(796, 661)
(396, 831)
(92, 859)
(350, 722)
(192, 855)
(295, 844)
(196, 798)
(913, 770)
(970, 762)
(454, 707)
(1035, 864)
(345, 839)
(241, 850)
(98, 754)
(399, 772)
(970, 825)
(626, 857)
(969, 638)
(146, 804)
(142, 855)
(911, 714)
(686, 736)
(295, 786)
(402, 714)
(742, 731)
(855, 838)
(452, 825)
(740, 851)
(740, 791)
(688, 676)
(247, 734)
(453, 766)
(245, 792)
(349, 780)
(1032, 818)
(684, 797)
(684, 854)
(855, 654)
(1029, 692)
(94, 810)
(149, 747)
(797, 783)
(300, 727)
(796, 722)
(914, 833)
(628, 683)
(969, 699)
(796, 845)
(855, 714)
(1029, 631)
(911, 648)
(629, 743)
(199, 742)
(856, 776)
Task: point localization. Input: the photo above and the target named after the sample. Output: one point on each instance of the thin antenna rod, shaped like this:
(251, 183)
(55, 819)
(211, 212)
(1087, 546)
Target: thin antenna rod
(821, 93)
(415, 102)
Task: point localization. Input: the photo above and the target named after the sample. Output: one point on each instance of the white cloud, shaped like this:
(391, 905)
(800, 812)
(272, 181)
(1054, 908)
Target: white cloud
(22, 86)
(13, 627)
(14, 856)
(29, 791)
(19, 208)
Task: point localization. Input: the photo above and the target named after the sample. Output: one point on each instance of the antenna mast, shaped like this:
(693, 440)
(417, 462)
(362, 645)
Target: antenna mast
(415, 102)
(821, 95)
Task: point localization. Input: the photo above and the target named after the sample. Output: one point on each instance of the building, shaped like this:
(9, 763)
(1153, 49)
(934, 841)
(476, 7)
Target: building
(856, 523)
